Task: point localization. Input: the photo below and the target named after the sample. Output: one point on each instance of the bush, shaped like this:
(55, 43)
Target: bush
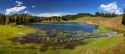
(101, 30)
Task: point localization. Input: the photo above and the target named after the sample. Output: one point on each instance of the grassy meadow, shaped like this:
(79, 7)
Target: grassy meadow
(115, 46)
(106, 45)
(114, 23)
(7, 32)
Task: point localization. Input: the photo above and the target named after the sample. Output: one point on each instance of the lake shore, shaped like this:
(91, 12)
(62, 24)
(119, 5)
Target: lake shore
(113, 23)
(92, 44)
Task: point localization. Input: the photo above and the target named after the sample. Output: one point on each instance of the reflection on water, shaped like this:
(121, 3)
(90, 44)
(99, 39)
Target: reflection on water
(64, 26)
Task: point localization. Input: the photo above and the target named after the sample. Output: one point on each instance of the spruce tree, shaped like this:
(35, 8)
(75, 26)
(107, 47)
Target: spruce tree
(123, 19)
(1, 18)
(7, 20)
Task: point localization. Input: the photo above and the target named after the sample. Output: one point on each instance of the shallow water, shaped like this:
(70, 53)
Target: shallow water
(64, 26)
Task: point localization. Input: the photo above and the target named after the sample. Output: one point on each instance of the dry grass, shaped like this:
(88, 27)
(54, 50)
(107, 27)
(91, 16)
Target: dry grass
(114, 23)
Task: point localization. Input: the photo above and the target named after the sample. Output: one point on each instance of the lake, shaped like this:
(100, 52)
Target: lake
(62, 35)
(64, 26)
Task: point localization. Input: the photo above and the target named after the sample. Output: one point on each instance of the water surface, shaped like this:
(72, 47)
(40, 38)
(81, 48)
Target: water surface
(64, 26)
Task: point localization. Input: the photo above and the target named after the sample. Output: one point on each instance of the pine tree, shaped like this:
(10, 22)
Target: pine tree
(7, 20)
(1, 18)
(97, 14)
(123, 19)
(102, 14)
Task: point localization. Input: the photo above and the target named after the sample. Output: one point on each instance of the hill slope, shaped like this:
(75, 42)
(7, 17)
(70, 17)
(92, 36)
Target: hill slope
(114, 23)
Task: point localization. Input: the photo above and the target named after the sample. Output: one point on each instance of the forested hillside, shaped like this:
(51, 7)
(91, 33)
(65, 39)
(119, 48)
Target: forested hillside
(27, 18)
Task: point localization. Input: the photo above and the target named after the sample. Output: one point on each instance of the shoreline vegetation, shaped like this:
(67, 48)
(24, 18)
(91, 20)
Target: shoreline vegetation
(105, 45)
(113, 23)
(109, 45)
(16, 19)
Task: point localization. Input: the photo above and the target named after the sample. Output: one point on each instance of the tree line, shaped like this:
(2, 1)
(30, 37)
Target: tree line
(27, 18)
(109, 15)
(123, 19)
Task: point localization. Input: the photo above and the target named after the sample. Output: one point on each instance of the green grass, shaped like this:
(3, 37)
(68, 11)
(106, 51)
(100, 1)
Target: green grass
(99, 45)
(91, 46)
(102, 30)
(106, 45)
(7, 32)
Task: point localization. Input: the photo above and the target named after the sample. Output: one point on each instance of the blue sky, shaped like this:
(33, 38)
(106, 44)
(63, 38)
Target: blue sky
(60, 7)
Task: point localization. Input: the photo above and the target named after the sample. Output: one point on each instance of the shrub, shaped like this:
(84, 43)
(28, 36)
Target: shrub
(101, 30)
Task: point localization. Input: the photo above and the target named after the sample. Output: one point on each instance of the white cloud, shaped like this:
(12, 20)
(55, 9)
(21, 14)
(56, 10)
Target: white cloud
(15, 9)
(33, 6)
(26, 11)
(111, 7)
(19, 3)
(53, 14)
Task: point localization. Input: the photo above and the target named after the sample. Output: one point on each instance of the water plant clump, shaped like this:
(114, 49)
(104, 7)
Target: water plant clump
(102, 30)
(58, 39)
(53, 38)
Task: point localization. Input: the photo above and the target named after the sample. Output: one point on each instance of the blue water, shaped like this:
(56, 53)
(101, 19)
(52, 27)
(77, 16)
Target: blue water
(64, 26)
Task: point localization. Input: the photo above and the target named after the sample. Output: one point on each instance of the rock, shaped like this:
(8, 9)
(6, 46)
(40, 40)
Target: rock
(20, 26)
(20, 33)
(90, 22)
(109, 34)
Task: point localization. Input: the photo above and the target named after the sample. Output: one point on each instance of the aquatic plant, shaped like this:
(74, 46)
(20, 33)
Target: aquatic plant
(60, 39)
(102, 30)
